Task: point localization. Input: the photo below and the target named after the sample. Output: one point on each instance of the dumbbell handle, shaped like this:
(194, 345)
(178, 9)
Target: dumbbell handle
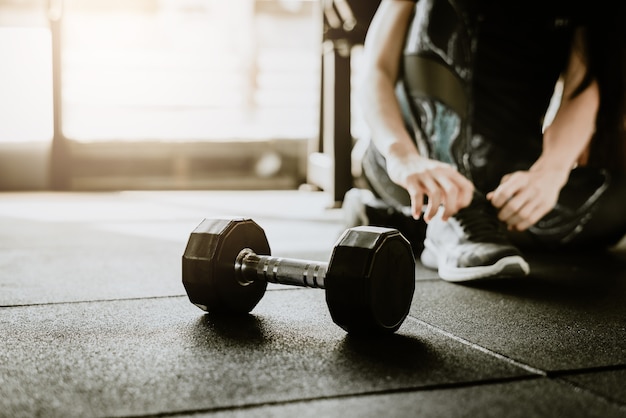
(252, 267)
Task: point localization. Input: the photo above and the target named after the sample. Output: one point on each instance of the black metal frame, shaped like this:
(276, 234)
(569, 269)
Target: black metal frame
(345, 24)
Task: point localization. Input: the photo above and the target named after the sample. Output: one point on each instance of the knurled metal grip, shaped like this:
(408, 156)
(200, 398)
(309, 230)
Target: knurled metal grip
(290, 271)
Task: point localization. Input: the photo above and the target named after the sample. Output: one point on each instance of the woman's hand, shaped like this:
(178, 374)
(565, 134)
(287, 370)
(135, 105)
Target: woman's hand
(440, 182)
(524, 197)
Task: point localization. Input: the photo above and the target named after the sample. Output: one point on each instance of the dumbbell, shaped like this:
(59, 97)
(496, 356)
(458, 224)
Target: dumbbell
(369, 280)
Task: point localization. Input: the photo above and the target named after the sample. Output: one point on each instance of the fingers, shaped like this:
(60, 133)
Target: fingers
(520, 210)
(440, 183)
(435, 194)
(456, 193)
(445, 188)
(510, 186)
(520, 202)
(417, 201)
(528, 215)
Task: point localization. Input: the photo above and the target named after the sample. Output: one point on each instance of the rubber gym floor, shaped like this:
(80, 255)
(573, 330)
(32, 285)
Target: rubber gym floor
(94, 322)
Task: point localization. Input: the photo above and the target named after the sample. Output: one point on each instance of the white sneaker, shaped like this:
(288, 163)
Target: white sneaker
(472, 245)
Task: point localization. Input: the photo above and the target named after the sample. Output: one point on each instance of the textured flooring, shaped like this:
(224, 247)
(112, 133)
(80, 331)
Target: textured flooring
(95, 322)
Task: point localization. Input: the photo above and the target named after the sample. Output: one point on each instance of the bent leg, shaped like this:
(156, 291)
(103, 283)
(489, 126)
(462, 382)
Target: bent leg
(607, 223)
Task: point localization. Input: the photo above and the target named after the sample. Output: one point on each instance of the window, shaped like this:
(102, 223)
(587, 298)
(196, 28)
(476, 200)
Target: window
(25, 73)
(181, 70)
(161, 93)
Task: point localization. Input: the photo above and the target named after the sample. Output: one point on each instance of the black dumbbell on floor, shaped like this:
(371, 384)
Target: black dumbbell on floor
(369, 280)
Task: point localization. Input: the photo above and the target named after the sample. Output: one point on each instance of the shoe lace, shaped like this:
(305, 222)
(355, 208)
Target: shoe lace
(481, 224)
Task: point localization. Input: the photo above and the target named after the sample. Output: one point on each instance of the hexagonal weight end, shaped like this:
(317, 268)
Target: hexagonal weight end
(370, 280)
(209, 274)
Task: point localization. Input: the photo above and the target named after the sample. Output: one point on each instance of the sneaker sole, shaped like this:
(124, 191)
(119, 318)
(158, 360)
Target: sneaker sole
(506, 267)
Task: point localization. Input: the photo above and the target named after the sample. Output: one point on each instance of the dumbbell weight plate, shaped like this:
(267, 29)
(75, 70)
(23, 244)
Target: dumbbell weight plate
(370, 281)
(209, 275)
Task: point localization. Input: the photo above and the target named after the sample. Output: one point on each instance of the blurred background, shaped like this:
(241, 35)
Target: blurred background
(169, 94)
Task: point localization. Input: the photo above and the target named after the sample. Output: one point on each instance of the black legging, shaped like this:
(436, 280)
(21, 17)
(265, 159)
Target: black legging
(607, 222)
